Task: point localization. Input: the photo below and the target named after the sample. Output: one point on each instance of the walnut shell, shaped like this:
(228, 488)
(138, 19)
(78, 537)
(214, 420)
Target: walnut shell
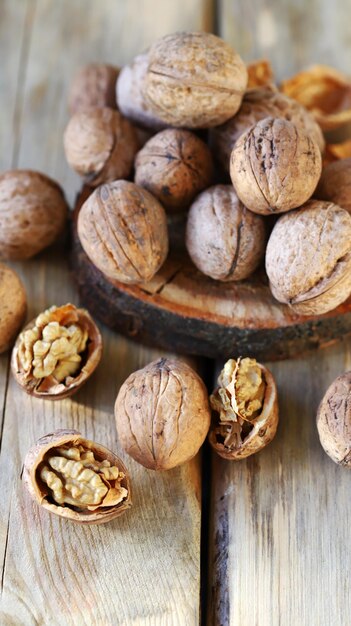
(93, 85)
(13, 306)
(36, 360)
(308, 258)
(100, 145)
(274, 166)
(174, 165)
(334, 420)
(225, 240)
(33, 213)
(54, 442)
(162, 414)
(123, 230)
(194, 80)
(130, 98)
(335, 184)
(258, 104)
(231, 435)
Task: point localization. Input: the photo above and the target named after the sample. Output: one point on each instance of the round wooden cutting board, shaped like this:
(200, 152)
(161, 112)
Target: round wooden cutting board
(182, 310)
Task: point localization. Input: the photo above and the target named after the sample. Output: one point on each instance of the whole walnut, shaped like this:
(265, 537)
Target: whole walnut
(334, 420)
(335, 184)
(225, 240)
(13, 306)
(129, 94)
(308, 258)
(33, 213)
(123, 230)
(162, 414)
(275, 166)
(194, 80)
(93, 85)
(100, 144)
(256, 105)
(174, 165)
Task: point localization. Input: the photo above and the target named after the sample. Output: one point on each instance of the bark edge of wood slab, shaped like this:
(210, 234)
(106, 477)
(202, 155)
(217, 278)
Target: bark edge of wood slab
(182, 311)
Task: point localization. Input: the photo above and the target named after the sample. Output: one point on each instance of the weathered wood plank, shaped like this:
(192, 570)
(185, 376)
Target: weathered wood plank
(280, 533)
(145, 567)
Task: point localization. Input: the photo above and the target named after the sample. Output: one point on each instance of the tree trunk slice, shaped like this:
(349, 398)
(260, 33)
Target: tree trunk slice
(182, 310)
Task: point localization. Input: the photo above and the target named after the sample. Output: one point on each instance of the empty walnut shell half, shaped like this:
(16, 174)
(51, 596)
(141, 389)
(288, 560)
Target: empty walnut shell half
(334, 420)
(13, 306)
(77, 479)
(194, 80)
(245, 409)
(56, 352)
(162, 414)
(335, 184)
(93, 85)
(275, 166)
(308, 258)
(100, 145)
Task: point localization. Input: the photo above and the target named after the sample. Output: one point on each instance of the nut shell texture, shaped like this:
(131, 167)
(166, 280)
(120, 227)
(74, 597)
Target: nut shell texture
(94, 85)
(225, 240)
(194, 80)
(256, 105)
(13, 306)
(100, 145)
(33, 212)
(275, 166)
(40, 494)
(335, 184)
(308, 258)
(174, 165)
(162, 414)
(123, 230)
(334, 420)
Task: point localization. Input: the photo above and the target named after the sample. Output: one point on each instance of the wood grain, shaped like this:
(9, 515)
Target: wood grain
(143, 569)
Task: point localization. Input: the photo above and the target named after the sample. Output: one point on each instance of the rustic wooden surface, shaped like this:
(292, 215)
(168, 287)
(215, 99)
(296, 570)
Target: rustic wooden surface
(143, 569)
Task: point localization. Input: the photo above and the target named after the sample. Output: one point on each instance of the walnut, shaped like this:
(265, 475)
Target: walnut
(258, 104)
(260, 74)
(100, 144)
(162, 414)
(224, 239)
(174, 165)
(275, 166)
(308, 258)
(33, 213)
(130, 98)
(77, 479)
(245, 409)
(56, 352)
(334, 420)
(13, 306)
(335, 184)
(123, 230)
(94, 85)
(194, 80)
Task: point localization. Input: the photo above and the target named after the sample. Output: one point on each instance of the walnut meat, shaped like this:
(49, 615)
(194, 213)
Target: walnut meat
(130, 98)
(162, 414)
(174, 165)
(245, 409)
(308, 258)
(123, 230)
(94, 85)
(258, 104)
(334, 420)
(57, 352)
(224, 239)
(77, 479)
(194, 80)
(100, 145)
(13, 306)
(335, 184)
(275, 166)
(33, 213)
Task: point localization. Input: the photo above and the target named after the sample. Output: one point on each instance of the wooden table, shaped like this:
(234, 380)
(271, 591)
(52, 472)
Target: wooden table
(262, 542)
